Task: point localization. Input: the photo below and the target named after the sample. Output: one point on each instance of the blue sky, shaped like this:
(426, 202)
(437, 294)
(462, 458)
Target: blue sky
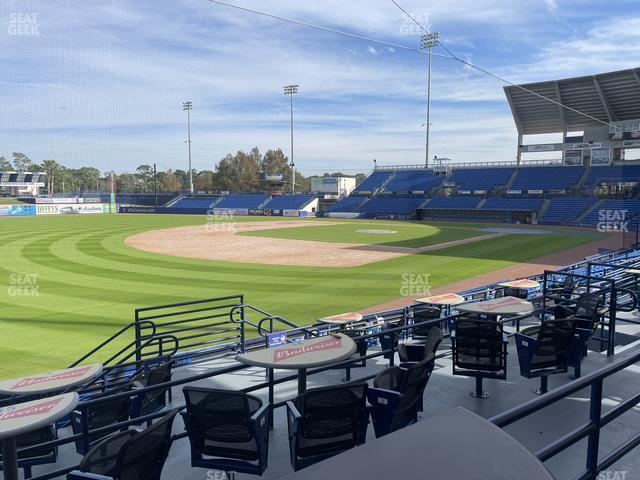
(102, 83)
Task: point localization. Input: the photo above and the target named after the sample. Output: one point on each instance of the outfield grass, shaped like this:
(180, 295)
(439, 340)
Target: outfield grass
(407, 234)
(88, 282)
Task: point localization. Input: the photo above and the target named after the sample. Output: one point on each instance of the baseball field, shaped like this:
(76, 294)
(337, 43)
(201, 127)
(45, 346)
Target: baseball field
(68, 282)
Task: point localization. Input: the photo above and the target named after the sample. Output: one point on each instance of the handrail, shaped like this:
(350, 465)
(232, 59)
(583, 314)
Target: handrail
(112, 338)
(264, 332)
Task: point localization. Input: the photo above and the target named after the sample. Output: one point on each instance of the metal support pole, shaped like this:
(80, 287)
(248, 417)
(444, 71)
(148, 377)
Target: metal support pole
(302, 381)
(189, 141)
(10, 458)
(426, 159)
(293, 165)
(595, 412)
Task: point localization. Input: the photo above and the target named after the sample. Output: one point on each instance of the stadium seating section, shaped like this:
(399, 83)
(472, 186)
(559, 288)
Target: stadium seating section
(391, 205)
(288, 202)
(612, 211)
(347, 204)
(612, 174)
(195, 202)
(513, 204)
(236, 200)
(546, 178)
(412, 181)
(462, 203)
(480, 178)
(373, 181)
(567, 209)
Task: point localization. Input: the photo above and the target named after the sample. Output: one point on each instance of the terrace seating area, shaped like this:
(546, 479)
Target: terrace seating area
(288, 202)
(567, 209)
(218, 413)
(546, 178)
(480, 178)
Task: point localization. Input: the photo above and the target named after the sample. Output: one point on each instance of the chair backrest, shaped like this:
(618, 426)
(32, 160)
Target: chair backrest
(421, 315)
(220, 415)
(434, 337)
(155, 400)
(143, 455)
(478, 344)
(555, 338)
(412, 386)
(332, 413)
(113, 411)
(587, 305)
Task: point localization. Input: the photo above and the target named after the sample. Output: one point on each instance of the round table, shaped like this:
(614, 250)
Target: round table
(525, 283)
(25, 417)
(502, 306)
(313, 352)
(342, 319)
(443, 299)
(50, 381)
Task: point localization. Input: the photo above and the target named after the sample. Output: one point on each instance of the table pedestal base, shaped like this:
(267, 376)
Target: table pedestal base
(302, 380)
(9, 459)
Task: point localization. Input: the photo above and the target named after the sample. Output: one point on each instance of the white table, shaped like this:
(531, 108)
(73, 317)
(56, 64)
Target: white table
(313, 352)
(443, 299)
(503, 306)
(342, 319)
(525, 283)
(26, 417)
(453, 444)
(50, 381)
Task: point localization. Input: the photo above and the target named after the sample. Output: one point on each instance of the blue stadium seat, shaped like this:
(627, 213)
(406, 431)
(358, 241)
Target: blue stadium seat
(614, 211)
(612, 174)
(373, 181)
(567, 209)
(288, 202)
(242, 200)
(546, 178)
(195, 202)
(480, 178)
(412, 181)
(347, 204)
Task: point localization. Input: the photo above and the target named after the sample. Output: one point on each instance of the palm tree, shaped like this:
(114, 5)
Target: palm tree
(52, 168)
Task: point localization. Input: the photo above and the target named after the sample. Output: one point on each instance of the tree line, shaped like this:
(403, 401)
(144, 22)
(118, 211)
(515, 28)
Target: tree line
(240, 172)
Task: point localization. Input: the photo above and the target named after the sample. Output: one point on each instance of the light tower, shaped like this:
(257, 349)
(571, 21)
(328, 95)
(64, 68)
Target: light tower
(188, 106)
(291, 90)
(427, 42)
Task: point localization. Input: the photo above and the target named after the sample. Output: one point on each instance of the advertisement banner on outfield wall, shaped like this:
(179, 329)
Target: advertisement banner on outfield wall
(231, 211)
(17, 210)
(73, 208)
(291, 213)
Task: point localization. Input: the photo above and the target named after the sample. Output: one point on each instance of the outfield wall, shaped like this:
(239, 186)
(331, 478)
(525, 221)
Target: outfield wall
(254, 212)
(54, 209)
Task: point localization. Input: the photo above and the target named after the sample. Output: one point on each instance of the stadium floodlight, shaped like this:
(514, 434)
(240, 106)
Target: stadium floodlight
(291, 90)
(188, 106)
(428, 42)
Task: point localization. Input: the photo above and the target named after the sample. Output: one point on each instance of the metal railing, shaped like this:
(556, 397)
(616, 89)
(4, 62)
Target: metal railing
(591, 428)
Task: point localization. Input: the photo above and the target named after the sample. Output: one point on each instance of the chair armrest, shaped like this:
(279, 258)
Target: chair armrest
(293, 417)
(95, 454)
(78, 475)
(505, 338)
(383, 397)
(260, 418)
(137, 385)
(526, 347)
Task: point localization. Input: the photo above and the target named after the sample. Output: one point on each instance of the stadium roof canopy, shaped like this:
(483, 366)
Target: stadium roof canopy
(610, 97)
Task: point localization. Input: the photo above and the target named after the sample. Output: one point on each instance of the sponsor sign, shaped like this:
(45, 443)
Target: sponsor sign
(573, 157)
(444, 299)
(543, 147)
(514, 192)
(37, 409)
(535, 192)
(524, 283)
(276, 339)
(601, 156)
(136, 209)
(55, 377)
(273, 177)
(231, 211)
(290, 213)
(631, 143)
(492, 305)
(17, 210)
(72, 208)
(59, 200)
(285, 353)
(21, 184)
(464, 192)
(585, 146)
(480, 191)
(261, 212)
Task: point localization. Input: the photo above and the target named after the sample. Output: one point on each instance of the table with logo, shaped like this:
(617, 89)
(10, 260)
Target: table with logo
(499, 307)
(302, 355)
(28, 416)
(342, 319)
(523, 284)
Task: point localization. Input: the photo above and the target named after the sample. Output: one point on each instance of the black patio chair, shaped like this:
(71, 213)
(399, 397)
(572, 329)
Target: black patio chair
(37, 455)
(361, 351)
(129, 455)
(549, 353)
(396, 396)
(325, 421)
(421, 315)
(102, 415)
(413, 351)
(586, 310)
(155, 400)
(479, 349)
(227, 430)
